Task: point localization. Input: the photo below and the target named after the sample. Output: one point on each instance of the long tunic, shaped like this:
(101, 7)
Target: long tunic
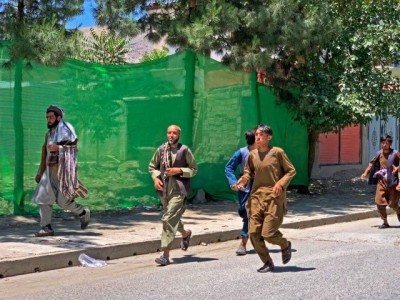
(384, 195)
(274, 168)
(187, 172)
(265, 210)
(173, 198)
(63, 133)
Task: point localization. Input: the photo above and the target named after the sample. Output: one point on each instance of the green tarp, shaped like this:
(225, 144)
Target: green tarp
(121, 114)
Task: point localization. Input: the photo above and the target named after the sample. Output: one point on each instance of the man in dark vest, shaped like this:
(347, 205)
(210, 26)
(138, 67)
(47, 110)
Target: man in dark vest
(383, 167)
(171, 168)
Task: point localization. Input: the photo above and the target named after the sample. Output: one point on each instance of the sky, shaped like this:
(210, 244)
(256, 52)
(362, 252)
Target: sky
(84, 20)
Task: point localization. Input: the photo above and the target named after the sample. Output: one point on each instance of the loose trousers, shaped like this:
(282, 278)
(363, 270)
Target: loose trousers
(265, 217)
(174, 207)
(386, 196)
(46, 211)
(242, 197)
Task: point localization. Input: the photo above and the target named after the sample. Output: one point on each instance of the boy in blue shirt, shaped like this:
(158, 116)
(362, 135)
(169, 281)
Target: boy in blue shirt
(239, 159)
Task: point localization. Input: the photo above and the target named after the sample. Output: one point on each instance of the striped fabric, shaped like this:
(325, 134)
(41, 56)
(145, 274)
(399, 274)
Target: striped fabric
(70, 186)
(81, 191)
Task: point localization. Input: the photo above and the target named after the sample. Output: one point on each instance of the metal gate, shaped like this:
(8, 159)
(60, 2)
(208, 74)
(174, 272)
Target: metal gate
(376, 129)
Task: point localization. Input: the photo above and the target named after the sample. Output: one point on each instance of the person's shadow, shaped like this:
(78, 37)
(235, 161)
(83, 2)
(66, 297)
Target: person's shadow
(190, 258)
(391, 226)
(252, 251)
(291, 269)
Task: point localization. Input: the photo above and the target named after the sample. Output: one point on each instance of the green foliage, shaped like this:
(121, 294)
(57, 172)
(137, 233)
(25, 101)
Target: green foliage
(106, 48)
(116, 15)
(347, 81)
(369, 44)
(327, 59)
(155, 54)
(36, 30)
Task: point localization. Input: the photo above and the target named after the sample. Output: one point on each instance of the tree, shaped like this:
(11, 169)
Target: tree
(36, 31)
(155, 54)
(346, 83)
(117, 16)
(105, 48)
(320, 57)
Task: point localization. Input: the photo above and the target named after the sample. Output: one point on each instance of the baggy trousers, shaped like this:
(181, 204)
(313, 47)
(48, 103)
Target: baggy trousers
(265, 217)
(383, 213)
(46, 211)
(174, 207)
(386, 196)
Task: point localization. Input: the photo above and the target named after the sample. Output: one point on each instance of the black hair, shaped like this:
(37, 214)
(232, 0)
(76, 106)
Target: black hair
(250, 137)
(264, 129)
(387, 137)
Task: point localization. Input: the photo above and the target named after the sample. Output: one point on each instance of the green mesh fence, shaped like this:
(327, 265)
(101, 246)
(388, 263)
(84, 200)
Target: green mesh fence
(121, 113)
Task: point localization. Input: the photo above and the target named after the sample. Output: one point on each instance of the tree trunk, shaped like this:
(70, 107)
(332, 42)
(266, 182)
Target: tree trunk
(312, 142)
(19, 140)
(190, 66)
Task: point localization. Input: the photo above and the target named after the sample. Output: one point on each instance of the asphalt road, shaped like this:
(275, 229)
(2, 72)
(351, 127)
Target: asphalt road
(353, 260)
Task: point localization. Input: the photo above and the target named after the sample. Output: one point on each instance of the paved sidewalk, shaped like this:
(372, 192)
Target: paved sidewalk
(121, 234)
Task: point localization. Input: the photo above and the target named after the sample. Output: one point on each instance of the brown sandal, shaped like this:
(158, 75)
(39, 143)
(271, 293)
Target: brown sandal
(287, 253)
(185, 243)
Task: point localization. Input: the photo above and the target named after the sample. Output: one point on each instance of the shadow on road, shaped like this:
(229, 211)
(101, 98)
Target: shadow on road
(291, 269)
(191, 258)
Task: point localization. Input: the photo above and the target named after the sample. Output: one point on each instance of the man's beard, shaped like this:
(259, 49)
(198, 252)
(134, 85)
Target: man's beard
(172, 141)
(50, 126)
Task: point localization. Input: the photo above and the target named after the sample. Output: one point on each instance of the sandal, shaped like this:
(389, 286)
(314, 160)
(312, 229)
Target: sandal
(186, 241)
(287, 253)
(162, 260)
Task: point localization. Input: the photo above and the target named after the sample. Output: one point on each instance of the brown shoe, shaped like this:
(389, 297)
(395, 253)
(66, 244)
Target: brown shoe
(287, 253)
(185, 242)
(267, 267)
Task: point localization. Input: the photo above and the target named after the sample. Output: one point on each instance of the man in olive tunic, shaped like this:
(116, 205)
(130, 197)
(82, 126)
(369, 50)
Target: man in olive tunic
(171, 168)
(266, 206)
(387, 189)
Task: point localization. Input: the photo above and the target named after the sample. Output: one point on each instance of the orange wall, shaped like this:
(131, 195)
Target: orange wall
(340, 148)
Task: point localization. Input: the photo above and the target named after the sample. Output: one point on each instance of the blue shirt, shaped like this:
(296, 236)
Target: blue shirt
(238, 159)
